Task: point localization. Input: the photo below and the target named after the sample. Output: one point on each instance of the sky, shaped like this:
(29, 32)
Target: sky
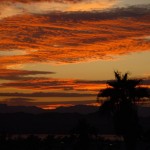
(62, 52)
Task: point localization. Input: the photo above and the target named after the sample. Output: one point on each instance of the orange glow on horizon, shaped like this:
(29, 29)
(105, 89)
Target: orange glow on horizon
(94, 104)
(54, 106)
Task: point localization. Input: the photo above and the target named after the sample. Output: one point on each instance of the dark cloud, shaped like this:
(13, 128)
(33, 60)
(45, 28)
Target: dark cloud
(10, 74)
(111, 14)
(53, 84)
(45, 83)
(89, 82)
(18, 101)
(29, 1)
(59, 84)
(44, 94)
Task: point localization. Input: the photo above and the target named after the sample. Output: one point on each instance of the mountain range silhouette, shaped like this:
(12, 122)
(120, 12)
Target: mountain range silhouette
(24, 119)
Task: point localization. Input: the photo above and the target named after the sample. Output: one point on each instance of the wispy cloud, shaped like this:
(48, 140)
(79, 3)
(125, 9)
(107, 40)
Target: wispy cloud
(9, 74)
(59, 85)
(62, 36)
(18, 101)
(54, 84)
(46, 94)
(13, 8)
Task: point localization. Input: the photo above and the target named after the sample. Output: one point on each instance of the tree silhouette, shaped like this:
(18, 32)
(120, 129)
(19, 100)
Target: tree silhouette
(122, 94)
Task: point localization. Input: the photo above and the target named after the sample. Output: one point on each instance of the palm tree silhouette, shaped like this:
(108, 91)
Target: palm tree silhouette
(122, 94)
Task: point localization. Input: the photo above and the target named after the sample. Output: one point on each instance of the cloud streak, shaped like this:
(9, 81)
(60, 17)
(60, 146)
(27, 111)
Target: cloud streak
(75, 37)
(55, 84)
(18, 101)
(9, 74)
(46, 94)
(64, 85)
(12, 8)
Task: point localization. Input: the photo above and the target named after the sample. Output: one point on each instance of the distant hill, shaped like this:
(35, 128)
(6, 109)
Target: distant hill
(26, 109)
(82, 109)
(21, 119)
(51, 123)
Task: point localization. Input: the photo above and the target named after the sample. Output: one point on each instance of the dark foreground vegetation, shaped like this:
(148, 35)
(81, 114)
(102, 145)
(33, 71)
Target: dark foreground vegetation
(72, 142)
(67, 142)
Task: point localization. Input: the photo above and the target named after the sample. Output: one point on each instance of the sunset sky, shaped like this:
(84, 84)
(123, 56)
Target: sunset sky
(62, 52)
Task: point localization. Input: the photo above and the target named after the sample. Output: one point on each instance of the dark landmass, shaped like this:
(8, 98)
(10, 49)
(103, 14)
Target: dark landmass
(81, 109)
(32, 120)
(52, 123)
(26, 109)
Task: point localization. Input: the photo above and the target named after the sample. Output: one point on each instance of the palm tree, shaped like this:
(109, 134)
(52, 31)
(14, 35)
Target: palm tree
(122, 96)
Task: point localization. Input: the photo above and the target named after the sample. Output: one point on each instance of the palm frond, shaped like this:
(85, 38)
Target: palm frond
(112, 83)
(117, 75)
(125, 77)
(106, 92)
(123, 90)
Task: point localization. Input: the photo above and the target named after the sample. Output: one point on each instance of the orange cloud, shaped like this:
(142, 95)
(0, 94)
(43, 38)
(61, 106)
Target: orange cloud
(55, 84)
(30, 80)
(52, 88)
(65, 85)
(75, 37)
